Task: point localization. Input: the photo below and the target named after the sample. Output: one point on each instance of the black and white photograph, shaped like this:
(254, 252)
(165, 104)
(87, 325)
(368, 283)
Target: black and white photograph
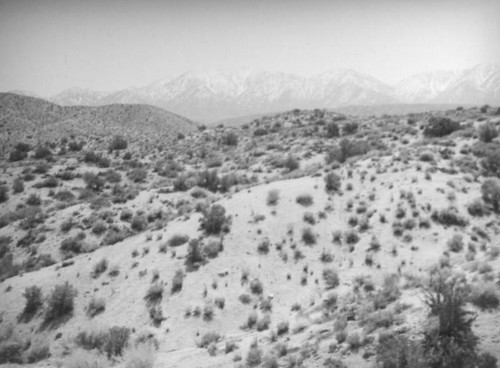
(250, 183)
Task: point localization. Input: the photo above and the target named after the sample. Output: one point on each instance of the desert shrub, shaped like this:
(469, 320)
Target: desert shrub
(477, 208)
(230, 139)
(116, 234)
(491, 161)
(486, 360)
(304, 200)
(17, 155)
(80, 358)
(332, 130)
(260, 132)
(393, 349)
(449, 340)
(263, 247)
(112, 176)
(254, 357)
(350, 128)
(209, 338)
(449, 216)
(39, 350)
(42, 152)
(11, 351)
(308, 236)
(426, 156)
(60, 303)
(456, 243)
(331, 278)
(137, 175)
(139, 223)
(139, 356)
(354, 341)
(111, 342)
(291, 163)
(487, 132)
(99, 268)
(351, 237)
(263, 323)
(309, 218)
(440, 126)
(178, 240)
(208, 179)
(332, 182)
(256, 287)
(154, 294)
(490, 190)
(273, 197)
(17, 187)
(4, 194)
(346, 149)
(34, 301)
(93, 181)
(245, 298)
(95, 306)
(177, 281)
(485, 297)
(118, 143)
(194, 254)
(214, 219)
(213, 248)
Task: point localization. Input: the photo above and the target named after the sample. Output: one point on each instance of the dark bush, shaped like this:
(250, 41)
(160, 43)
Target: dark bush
(350, 128)
(490, 190)
(449, 216)
(33, 296)
(93, 181)
(118, 143)
(440, 126)
(4, 194)
(17, 155)
(60, 302)
(230, 139)
(332, 130)
(487, 132)
(214, 219)
(111, 342)
(177, 240)
(332, 182)
(291, 163)
(139, 223)
(177, 281)
(42, 152)
(137, 175)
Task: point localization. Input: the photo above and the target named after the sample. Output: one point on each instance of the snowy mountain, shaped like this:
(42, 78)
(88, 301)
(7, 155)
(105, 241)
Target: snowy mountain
(215, 95)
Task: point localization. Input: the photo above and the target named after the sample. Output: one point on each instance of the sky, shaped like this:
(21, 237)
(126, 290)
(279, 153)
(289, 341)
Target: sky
(47, 46)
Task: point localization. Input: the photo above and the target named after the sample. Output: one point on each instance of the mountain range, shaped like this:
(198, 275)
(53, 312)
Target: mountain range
(217, 95)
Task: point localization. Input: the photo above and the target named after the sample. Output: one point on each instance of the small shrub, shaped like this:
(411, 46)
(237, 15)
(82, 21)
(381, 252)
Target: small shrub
(331, 278)
(99, 268)
(214, 219)
(440, 126)
(308, 236)
(487, 132)
(178, 240)
(305, 200)
(273, 197)
(34, 301)
(177, 281)
(332, 182)
(154, 295)
(95, 307)
(485, 297)
(256, 287)
(118, 143)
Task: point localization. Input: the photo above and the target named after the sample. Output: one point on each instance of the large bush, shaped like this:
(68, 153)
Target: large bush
(487, 132)
(490, 190)
(438, 126)
(118, 143)
(214, 219)
(60, 302)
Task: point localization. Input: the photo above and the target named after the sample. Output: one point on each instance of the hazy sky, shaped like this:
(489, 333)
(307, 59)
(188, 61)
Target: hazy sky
(49, 45)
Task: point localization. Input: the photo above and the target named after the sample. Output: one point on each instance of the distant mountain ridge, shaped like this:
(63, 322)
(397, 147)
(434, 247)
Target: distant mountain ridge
(211, 96)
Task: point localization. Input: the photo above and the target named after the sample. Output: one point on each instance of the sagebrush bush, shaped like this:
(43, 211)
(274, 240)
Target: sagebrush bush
(308, 236)
(214, 219)
(449, 216)
(487, 132)
(273, 197)
(177, 281)
(440, 126)
(304, 199)
(34, 300)
(99, 268)
(331, 278)
(118, 143)
(60, 302)
(111, 342)
(490, 191)
(485, 297)
(154, 294)
(95, 306)
(332, 182)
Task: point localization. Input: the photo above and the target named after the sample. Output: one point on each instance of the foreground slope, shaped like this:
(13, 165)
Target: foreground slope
(299, 274)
